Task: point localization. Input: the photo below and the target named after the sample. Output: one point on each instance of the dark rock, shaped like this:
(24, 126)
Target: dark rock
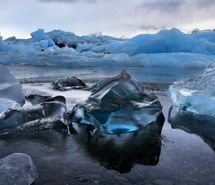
(35, 96)
(17, 169)
(68, 83)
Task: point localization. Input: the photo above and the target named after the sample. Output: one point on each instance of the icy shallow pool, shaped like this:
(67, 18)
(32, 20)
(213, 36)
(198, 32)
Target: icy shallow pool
(183, 159)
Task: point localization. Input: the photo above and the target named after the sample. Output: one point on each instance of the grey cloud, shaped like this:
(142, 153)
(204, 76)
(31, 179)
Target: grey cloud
(113, 17)
(68, 1)
(177, 5)
(163, 5)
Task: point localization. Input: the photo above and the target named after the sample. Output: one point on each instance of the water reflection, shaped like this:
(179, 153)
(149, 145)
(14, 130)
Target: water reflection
(201, 125)
(121, 152)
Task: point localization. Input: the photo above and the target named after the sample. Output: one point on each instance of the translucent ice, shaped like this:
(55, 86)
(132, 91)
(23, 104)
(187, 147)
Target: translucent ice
(10, 88)
(6, 104)
(197, 93)
(42, 38)
(118, 105)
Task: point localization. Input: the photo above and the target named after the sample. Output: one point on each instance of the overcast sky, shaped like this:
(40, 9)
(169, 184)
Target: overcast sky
(113, 17)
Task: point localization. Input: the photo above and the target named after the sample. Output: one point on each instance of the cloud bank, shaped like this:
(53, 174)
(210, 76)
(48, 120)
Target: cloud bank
(114, 17)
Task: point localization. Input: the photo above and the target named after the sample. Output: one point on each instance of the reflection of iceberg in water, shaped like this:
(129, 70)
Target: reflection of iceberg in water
(121, 152)
(200, 125)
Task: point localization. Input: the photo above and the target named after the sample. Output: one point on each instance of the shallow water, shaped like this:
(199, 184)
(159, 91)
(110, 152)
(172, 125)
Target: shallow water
(186, 156)
(183, 159)
(143, 74)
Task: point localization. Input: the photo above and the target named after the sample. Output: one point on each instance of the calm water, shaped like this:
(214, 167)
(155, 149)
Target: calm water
(183, 158)
(143, 74)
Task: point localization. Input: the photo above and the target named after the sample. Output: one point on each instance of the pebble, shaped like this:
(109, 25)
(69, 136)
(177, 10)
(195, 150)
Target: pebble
(120, 178)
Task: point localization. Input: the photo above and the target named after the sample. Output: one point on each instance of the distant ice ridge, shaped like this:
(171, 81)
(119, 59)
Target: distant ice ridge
(166, 41)
(197, 93)
(59, 48)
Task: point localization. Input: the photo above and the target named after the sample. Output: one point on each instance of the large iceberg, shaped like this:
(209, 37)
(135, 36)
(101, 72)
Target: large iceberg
(196, 93)
(118, 105)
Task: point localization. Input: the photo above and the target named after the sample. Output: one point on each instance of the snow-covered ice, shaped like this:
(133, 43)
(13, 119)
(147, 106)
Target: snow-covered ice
(196, 93)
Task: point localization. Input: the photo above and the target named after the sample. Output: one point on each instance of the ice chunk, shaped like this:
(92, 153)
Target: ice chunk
(62, 38)
(118, 105)
(3, 46)
(69, 83)
(10, 88)
(41, 116)
(39, 35)
(200, 125)
(123, 151)
(197, 93)
(6, 104)
(42, 38)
